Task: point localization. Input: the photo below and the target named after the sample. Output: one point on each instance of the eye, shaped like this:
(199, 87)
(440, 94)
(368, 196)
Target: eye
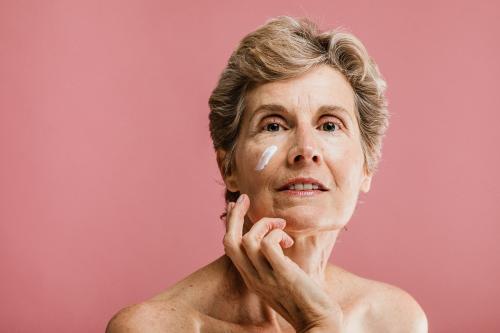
(273, 125)
(329, 126)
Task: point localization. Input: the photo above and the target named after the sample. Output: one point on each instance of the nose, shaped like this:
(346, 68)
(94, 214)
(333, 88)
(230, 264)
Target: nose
(305, 149)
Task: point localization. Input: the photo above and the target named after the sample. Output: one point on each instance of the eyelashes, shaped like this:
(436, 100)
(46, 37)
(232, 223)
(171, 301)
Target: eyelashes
(275, 123)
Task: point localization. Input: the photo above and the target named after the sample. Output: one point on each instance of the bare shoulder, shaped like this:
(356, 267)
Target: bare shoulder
(392, 309)
(153, 317)
(176, 309)
(374, 306)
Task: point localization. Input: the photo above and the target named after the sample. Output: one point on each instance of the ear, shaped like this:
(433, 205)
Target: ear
(230, 179)
(366, 183)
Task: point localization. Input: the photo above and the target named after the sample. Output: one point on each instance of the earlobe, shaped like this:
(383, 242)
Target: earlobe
(229, 179)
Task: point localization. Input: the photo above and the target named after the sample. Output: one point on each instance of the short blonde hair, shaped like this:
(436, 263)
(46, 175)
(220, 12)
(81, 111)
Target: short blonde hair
(287, 47)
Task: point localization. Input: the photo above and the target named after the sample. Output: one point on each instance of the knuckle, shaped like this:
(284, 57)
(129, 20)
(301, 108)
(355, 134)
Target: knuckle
(276, 233)
(268, 224)
(270, 220)
(248, 241)
(276, 222)
(261, 224)
(274, 236)
(267, 243)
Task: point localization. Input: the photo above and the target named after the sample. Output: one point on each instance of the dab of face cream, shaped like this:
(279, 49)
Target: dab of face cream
(266, 157)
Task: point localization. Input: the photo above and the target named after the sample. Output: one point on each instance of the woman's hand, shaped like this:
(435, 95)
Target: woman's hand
(279, 281)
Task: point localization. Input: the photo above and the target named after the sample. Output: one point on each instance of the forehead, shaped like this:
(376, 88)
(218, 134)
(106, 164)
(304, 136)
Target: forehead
(320, 86)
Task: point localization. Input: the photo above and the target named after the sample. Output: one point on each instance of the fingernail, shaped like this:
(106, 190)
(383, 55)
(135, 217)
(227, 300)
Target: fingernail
(240, 199)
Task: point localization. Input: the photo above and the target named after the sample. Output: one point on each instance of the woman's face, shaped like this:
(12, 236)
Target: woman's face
(301, 128)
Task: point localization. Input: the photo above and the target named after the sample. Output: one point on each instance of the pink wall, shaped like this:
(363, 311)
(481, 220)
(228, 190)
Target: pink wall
(108, 183)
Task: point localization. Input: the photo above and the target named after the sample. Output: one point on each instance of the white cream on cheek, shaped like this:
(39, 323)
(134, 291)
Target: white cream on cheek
(266, 157)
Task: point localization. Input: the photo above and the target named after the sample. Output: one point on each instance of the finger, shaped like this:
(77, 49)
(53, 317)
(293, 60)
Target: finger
(236, 217)
(241, 261)
(228, 210)
(262, 227)
(272, 248)
(232, 239)
(230, 206)
(252, 243)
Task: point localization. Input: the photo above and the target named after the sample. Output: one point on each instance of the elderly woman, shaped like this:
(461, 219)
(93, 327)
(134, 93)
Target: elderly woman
(297, 120)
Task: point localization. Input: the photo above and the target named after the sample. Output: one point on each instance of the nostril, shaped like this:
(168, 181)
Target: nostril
(297, 158)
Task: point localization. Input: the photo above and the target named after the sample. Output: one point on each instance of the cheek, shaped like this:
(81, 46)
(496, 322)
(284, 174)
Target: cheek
(266, 156)
(346, 161)
(253, 163)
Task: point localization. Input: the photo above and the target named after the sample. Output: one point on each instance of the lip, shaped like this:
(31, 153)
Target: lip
(303, 180)
(301, 193)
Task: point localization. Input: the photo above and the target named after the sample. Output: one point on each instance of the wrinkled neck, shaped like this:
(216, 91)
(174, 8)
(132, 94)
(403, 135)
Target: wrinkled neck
(311, 252)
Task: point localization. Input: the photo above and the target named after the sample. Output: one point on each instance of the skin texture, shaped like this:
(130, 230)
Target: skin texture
(275, 275)
(304, 149)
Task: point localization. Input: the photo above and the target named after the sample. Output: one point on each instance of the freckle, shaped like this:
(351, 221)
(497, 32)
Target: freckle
(266, 157)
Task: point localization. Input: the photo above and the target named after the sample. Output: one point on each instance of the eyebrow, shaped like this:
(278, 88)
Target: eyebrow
(281, 108)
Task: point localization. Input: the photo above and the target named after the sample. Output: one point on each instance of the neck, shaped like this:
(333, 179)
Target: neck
(311, 254)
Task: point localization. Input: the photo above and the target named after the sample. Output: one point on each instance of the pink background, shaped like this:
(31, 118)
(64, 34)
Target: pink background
(109, 191)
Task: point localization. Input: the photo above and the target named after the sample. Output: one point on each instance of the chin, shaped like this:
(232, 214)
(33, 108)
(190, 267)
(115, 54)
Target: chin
(302, 219)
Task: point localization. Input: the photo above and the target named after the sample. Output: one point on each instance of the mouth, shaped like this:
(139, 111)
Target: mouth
(303, 186)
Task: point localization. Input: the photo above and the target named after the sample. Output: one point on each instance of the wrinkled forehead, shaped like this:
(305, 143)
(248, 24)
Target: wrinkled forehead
(323, 86)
